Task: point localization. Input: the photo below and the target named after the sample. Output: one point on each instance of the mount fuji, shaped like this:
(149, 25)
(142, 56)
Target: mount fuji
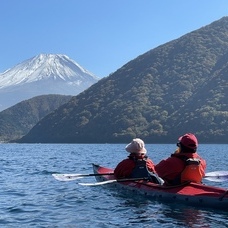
(43, 74)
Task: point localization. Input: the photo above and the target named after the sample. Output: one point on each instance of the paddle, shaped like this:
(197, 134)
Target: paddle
(113, 181)
(217, 176)
(71, 177)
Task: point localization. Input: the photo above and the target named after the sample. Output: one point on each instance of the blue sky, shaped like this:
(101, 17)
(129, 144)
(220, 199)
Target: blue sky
(100, 35)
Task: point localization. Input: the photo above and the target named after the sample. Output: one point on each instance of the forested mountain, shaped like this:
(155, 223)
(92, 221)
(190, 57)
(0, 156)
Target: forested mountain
(17, 120)
(178, 87)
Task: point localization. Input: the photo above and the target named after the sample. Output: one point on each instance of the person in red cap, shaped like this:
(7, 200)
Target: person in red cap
(184, 165)
(137, 164)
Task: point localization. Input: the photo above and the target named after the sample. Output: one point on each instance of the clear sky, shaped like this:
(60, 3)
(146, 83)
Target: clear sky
(100, 35)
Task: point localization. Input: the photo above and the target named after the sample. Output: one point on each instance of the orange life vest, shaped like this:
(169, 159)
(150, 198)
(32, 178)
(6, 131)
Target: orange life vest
(192, 171)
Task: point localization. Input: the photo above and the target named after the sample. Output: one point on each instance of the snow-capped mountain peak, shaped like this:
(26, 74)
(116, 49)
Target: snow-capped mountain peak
(43, 74)
(43, 67)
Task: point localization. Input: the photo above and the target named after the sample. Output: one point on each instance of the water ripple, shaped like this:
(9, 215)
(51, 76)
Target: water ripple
(31, 197)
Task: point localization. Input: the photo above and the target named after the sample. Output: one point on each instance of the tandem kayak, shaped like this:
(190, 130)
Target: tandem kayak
(193, 194)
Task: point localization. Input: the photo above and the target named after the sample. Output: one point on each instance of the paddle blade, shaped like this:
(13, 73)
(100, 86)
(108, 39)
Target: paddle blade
(75, 176)
(217, 173)
(66, 177)
(215, 179)
(217, 176)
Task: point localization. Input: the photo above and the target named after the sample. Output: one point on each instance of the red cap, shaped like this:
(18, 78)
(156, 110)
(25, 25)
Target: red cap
(189, 140)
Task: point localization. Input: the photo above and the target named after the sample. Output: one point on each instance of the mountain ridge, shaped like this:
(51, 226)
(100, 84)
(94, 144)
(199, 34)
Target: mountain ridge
(178, 87)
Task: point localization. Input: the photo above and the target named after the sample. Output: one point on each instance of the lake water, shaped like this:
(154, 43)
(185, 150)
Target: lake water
(31, 197)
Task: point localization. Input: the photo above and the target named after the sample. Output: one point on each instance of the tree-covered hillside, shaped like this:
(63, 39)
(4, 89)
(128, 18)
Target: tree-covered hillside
(17, 120)
(178, 87)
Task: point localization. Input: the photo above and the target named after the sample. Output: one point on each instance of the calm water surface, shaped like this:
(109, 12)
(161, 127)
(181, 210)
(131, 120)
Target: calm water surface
(30, 197)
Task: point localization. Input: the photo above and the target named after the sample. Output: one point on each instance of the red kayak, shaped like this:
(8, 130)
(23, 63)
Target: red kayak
(189, 193)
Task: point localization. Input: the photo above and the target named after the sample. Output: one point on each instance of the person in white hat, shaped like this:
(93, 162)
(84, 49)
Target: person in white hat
(137, 164)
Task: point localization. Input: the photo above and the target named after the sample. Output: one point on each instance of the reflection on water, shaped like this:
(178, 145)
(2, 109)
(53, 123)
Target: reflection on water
(151, 213)
(188, 216)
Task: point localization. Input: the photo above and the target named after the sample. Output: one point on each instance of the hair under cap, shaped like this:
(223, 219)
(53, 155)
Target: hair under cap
(136, 146)
(189, 140)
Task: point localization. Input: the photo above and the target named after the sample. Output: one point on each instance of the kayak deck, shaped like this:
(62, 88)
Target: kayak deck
(189, 193)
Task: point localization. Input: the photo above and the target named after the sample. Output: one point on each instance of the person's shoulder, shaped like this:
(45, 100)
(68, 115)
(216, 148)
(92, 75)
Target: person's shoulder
(126, 160)
(201, 159)
(196, 155)
(168, 160)
(177, 158)
(149, 160)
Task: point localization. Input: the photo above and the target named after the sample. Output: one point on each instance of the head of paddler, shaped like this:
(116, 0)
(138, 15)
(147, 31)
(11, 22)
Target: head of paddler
(187, 143)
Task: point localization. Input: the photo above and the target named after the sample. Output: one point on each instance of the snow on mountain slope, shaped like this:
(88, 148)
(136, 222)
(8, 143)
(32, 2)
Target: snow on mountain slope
(46, 66)
(43, 74)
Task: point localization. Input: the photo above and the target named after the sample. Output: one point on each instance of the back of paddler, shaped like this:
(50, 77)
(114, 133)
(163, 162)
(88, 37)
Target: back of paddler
(184, 165)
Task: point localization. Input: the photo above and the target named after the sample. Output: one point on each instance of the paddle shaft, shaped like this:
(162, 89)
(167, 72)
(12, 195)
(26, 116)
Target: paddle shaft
(93, 174)
(113, 181)
(217, 176)
(209, 176)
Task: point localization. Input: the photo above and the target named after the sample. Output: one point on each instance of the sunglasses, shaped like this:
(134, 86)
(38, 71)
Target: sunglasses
(179, 144)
